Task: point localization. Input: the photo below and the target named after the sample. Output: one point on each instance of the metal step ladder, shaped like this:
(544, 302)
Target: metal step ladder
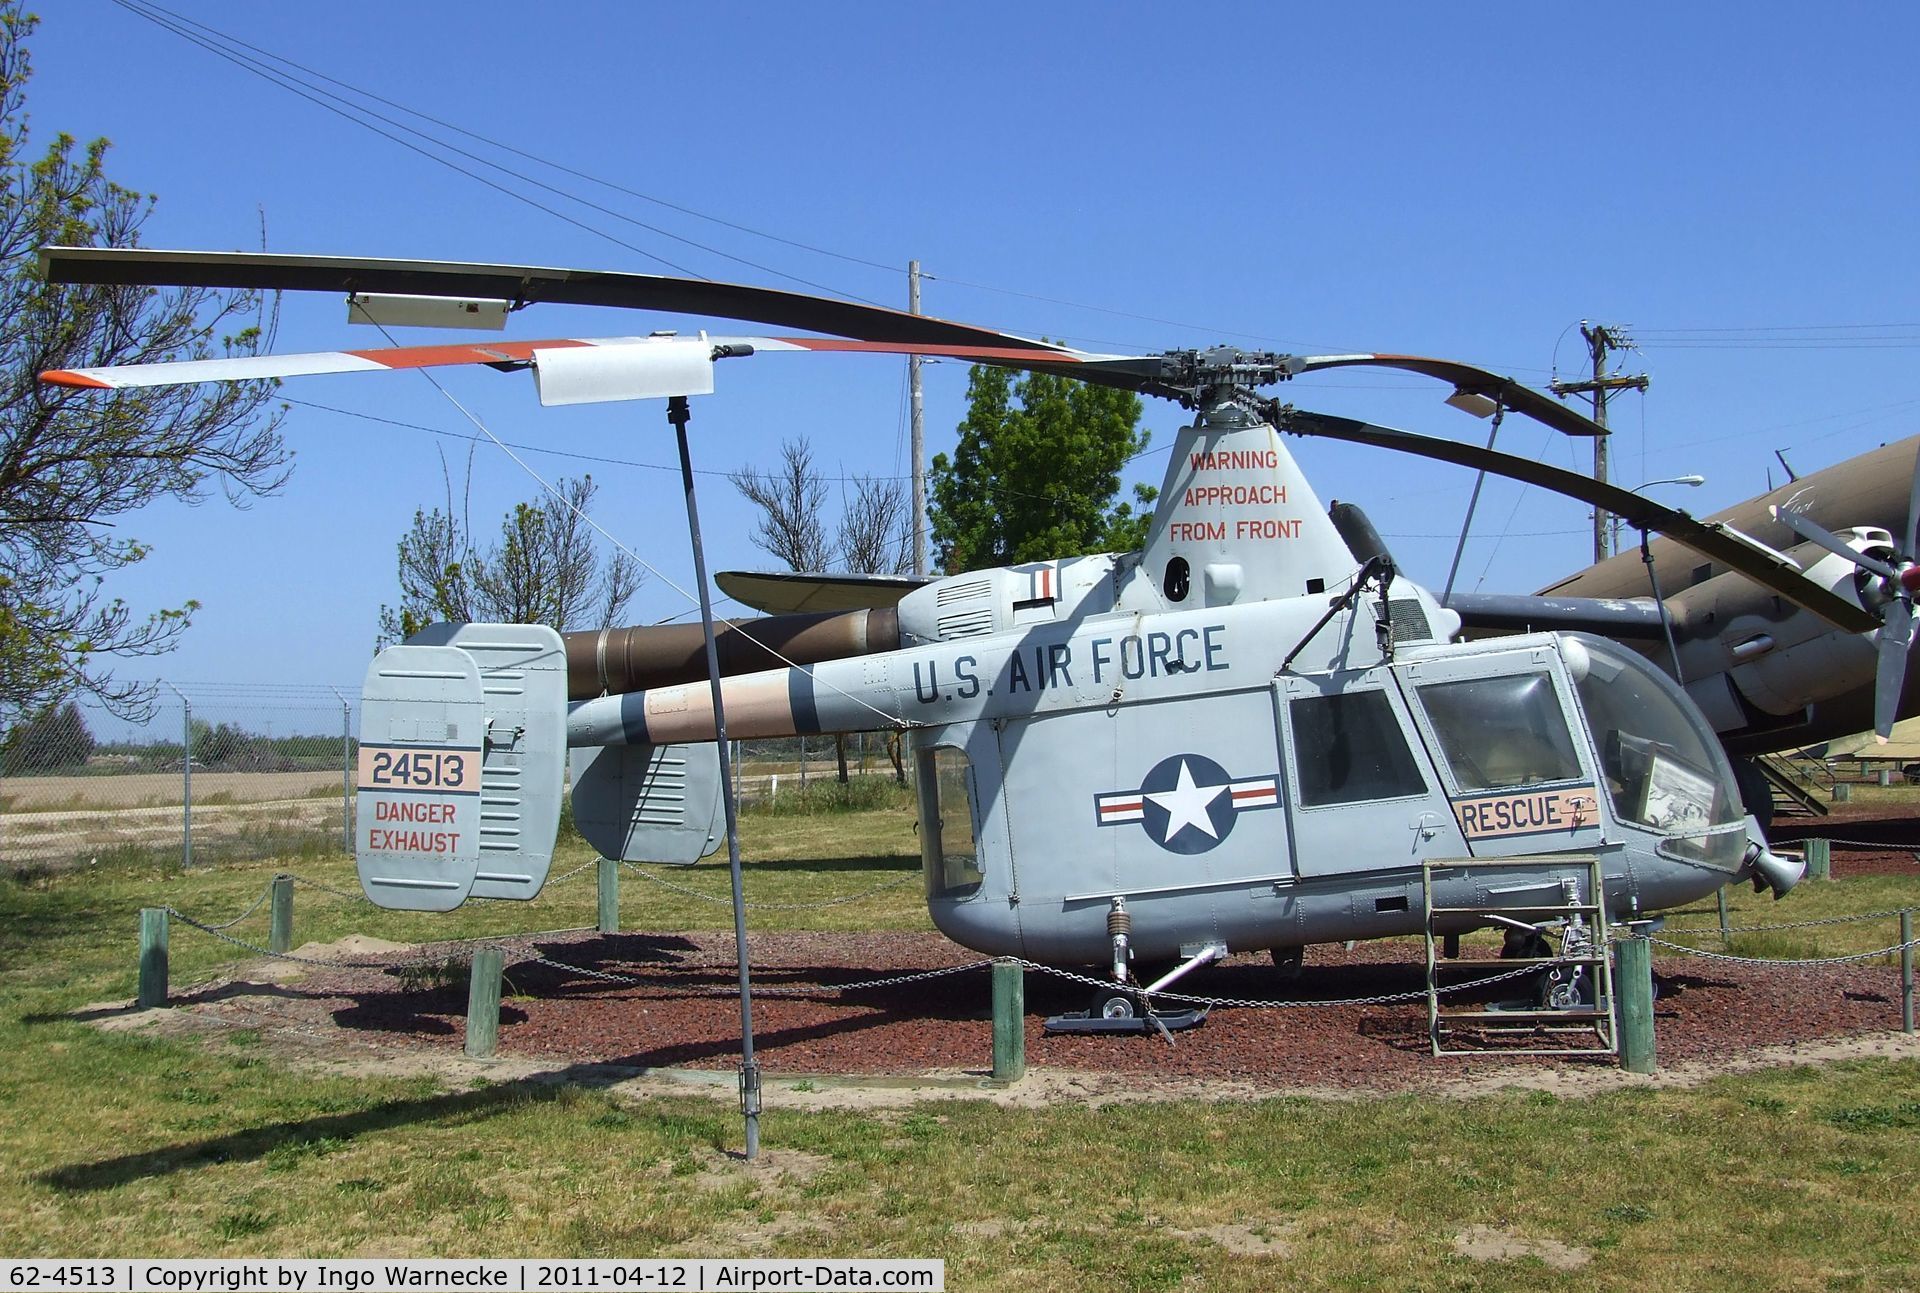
(1794, 791)
(1552, 1029)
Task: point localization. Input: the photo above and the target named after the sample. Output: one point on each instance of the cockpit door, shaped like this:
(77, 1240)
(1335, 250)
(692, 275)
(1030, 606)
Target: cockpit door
(1504, 732)
(1362, 794)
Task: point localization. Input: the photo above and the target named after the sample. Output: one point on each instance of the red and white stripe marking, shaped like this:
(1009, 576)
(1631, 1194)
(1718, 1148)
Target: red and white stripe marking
(264, 367)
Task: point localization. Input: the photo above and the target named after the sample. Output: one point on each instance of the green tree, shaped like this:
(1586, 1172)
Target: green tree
(545, 569)
(73, 462)
(1036, 471)
(56, 737)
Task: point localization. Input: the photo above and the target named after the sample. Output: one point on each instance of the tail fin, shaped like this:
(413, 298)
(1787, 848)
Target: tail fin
(463, 750)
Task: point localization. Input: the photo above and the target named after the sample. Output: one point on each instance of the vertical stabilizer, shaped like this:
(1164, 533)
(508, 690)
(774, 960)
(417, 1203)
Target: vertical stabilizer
(1237, 521)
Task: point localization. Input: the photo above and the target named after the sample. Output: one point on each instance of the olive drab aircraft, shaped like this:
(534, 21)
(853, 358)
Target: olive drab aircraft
(1252, 733)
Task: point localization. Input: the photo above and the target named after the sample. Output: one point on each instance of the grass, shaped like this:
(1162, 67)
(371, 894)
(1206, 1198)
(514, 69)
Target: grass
(1796, 1178)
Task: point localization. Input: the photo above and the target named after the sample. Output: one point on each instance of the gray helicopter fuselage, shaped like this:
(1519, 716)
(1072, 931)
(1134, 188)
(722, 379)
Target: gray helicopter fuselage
(1224, 733)
(1227, 800)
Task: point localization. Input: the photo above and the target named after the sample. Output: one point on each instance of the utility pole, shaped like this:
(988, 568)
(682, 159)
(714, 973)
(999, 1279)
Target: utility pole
(1601, 339)
(917, 402)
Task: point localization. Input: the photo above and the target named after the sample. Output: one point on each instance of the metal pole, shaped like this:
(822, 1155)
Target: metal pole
(346, 770)
(1499, 411)
(1726, 932)
(186, 778)
(916, 399)
(677, 413)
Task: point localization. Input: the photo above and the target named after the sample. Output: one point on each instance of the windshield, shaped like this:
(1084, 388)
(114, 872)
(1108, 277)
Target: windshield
(1663, 767)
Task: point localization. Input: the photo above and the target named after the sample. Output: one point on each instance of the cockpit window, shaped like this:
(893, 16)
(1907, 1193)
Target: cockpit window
(1348, 747)
(947, 851)
(1654, 756)
(1501, 732)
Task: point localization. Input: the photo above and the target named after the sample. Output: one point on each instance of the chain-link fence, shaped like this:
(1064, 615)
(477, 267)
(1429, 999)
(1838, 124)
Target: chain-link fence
(220, 770)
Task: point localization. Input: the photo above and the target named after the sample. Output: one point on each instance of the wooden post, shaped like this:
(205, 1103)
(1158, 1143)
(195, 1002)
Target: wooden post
(1633, 979)
(1726, 932)
(280, 932)
(1820, 859)
(1009, 1021)
(153, 957)
(1906, 971)
(609, 896)
(483, 1003)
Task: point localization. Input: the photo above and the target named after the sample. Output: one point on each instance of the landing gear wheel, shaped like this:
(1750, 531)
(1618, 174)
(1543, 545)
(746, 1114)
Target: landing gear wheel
(1566, 987)
(1288, 963)
(1115, 1003)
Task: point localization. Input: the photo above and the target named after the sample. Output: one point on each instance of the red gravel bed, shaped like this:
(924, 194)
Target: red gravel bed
(810, 1017)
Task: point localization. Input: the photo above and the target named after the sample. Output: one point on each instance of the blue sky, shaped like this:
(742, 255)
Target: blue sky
(1737, 182)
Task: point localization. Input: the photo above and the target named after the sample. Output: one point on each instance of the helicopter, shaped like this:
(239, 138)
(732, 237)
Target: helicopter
(1252, 733)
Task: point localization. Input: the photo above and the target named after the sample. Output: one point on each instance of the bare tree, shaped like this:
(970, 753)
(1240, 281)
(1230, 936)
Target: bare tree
(876, 529)
(546, 569)
(873, 535)
(789, 498)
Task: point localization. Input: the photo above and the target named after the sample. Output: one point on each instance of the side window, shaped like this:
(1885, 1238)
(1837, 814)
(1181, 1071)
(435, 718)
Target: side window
(946, 822)
(1501, 732)
(1348, 747)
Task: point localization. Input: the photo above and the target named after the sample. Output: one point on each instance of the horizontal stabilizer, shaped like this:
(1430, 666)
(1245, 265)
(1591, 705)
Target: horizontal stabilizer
(781, 592)
(649, 803)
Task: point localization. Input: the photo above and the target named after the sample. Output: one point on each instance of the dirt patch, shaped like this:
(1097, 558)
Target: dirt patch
(670, 1024)
(1489, 1244)
(1243, 1239)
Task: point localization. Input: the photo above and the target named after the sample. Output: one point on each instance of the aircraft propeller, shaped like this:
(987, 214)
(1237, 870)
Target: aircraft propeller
(1892, 583)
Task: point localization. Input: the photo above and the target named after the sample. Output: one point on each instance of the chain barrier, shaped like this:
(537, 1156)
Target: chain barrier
(257, 904)
(772, 906)
(1872, 846)
(1715, 930)
(327, 888)
(1784, 961)
(219, 932)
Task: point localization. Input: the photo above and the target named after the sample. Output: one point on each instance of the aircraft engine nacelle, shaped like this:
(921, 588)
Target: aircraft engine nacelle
(1744, 650)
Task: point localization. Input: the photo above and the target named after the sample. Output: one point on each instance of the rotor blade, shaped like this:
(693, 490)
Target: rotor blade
(1813, 533)
(1471, 381)
(1896, 635)
(1716, 542)
(520, 353)
(521, 284)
